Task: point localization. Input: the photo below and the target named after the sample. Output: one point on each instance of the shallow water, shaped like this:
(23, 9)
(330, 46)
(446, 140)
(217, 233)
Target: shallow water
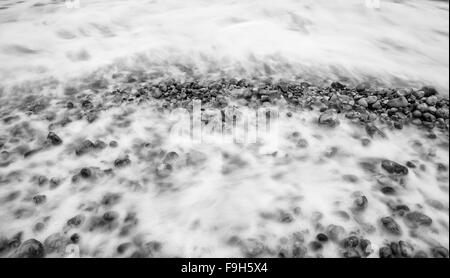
(218, 191)
(393, 41)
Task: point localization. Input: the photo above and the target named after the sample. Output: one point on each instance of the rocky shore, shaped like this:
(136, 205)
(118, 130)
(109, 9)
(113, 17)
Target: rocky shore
(73, 167)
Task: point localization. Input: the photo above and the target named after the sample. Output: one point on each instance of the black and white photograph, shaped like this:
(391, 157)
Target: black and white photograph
(224, 129)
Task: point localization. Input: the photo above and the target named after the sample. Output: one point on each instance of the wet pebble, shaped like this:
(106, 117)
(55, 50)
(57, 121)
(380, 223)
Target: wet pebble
(394, 167)
(439, 252)
(54, 139)
(30, 249)
(39, 199)
(391, 225)
(416, 218)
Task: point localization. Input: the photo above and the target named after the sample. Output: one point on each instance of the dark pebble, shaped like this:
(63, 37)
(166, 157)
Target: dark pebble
(31, 249)
(39, 199)
(85, 173)
(316, 246)
(418, 218)
(54, 139)
(350, 242)
(113, 144)
(351, 253)
(385, 252)
(122, 162)
(439, 252)
(391, 225)
(394, 168)
(75, 238)
(76, 220)
(387, 190)
(322, 237)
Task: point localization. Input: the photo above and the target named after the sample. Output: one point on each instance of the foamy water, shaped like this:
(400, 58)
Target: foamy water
(219, 197)
(319, 40)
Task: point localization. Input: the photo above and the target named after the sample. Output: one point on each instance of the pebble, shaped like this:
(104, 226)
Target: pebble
(361, 203)
(385, 252)
(391, 225)
(30, 249)
(439, 252)
(54, 139)
(335, 232)
(75, 238)
(329, 118)
(418, 218)
(406, 249)
(388, 190)
(85, 173)
(350, 242)
(39, 199)
(351, 253)
(316, 246)
(122, 162)
(322, 237)
(55, 243)
(394, 167)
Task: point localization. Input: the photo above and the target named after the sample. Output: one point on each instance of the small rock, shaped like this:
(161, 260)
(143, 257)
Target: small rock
(54, 139)
(110, 216)
(421, 255)
(110, 199)
(252, 248)
(337, 86)
(418, 218)
(170, 157)
(432, 100)
(429, 91)
(85, 173)
(372, 99)
(316, 246)
(99, 144)
(122, 162)
(385, 252)
(394, 168)
(335, 232)
(30, 249)
(76, 220)
(398, 102)
(351, 253)
(361, 202)
(329, 118)
(388, 190)
(373, 131)
(363, 102)
(85, 147)
(391, 225)
(366, 246)
(350, 242)
(123, 247)
(75, 238)
(439, 252)
(54, 243)
(406, 249)
(113, 144)
(39, 199)
(362, 87)
(322, 237)
(298, 250)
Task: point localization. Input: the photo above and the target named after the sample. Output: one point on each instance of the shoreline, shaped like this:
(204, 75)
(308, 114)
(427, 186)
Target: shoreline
(91, 156)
